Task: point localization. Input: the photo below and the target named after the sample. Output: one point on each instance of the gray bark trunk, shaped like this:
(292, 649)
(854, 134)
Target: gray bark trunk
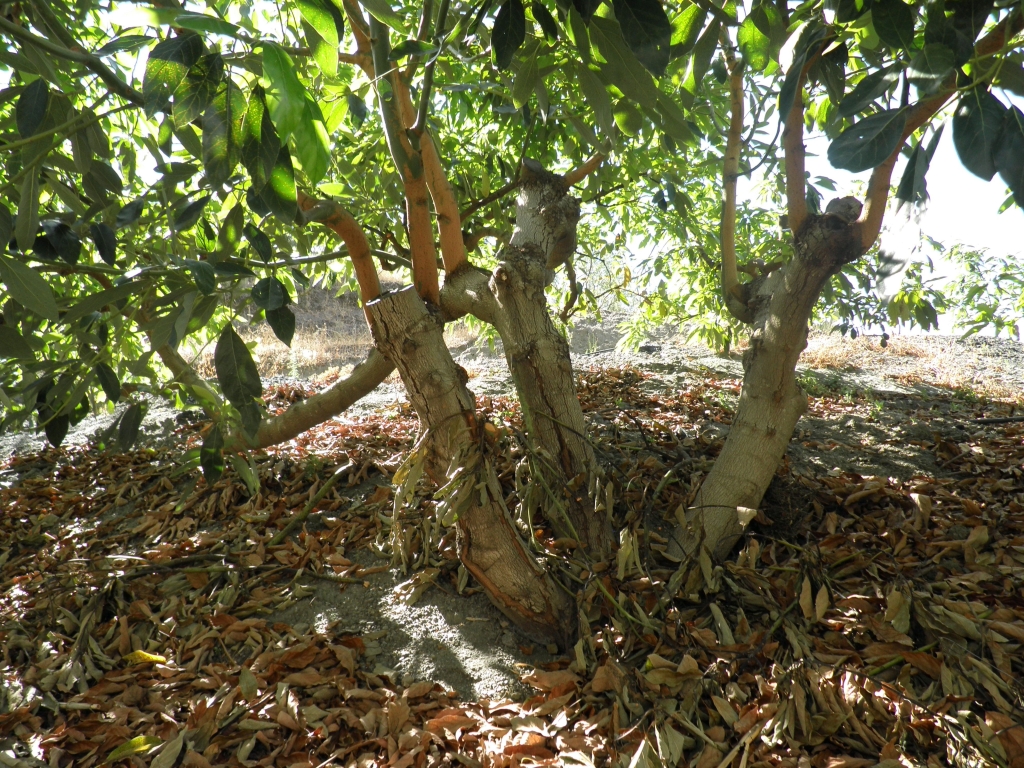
(513, 300)
(409, 332)
(771, 402)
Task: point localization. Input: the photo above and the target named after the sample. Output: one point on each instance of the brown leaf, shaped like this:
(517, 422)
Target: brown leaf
(546, 681)
(1011, 737)
(806, 599)
(608, 677)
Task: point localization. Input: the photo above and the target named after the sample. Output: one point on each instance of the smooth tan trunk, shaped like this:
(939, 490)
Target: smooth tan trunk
(409, 332)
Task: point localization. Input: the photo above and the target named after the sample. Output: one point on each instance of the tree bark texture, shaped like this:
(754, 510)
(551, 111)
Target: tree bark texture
(409, 332)
(513, 300)
(771, 402)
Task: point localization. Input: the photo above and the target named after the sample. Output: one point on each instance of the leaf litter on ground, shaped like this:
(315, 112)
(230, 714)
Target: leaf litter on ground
(866, 621)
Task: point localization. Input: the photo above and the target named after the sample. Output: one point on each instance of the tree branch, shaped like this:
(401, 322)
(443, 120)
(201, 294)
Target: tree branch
(576, 175)
(793, 144)
(483, 202)
(92, 63)
(317, 409)
(732, 291)
(870, 222)
(337, 219)
(409, 161)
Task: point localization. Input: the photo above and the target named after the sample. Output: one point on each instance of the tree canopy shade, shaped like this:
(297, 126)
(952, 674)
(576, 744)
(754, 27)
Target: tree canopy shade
(171, 169)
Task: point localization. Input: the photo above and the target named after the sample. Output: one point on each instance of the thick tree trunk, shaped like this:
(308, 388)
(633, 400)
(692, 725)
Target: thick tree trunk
(409, 332)
(513, 300)
(771, 402)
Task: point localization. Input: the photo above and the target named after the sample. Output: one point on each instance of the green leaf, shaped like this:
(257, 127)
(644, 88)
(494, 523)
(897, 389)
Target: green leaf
(1011, 77)
(130, 213)
(259, 242)
(13, 344)
(137, 745)
(597, 97)
(191, 213)
(56, 240)
(546, 20)
(282, 322)
(198, 22)
(868, 142)
(408, 48)
(325, 18)
(124, 43)
(109, 381)
(647, 31)
(30, 111)
(311, 142)
(579, 34)
(56, 429)
(105, 240)
(286, 96)
(868, 89)
(754, 45)
(1009, 154)
(236, 371)
(27, 223)
(689, 24)
(703, 51)
(628, 117)
(526, 77)
(278, 196)
(128, 429)
(251, 415)
(894, 22)
(6, 226)
(32, 290)
(977, 122)
(621, 66)
(198, 90)
(382, 11)
(211, 455)
(260, 145)
(809, 37)
(222, 134)
(203, 275)
(270, 293)
(931, 68)
(509, 32)
(167, 67)
(673, 121)
(97, 301)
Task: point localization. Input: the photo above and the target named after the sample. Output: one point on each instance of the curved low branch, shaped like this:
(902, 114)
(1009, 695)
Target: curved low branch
(317, 409)
(870, 222)
(340, 221)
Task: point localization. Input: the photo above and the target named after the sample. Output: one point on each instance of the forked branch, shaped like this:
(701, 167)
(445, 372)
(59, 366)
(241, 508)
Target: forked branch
(871, 218)
(409, 162)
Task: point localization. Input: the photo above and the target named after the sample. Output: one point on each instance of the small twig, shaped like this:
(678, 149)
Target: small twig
(1000, 420)
(485, 201)
(301, 517)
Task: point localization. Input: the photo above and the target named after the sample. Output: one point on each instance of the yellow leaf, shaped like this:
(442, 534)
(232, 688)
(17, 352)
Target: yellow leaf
(136, 746)
(725, 709)
(247, 682)
(141, 657)
(821, 603)
(806, 604)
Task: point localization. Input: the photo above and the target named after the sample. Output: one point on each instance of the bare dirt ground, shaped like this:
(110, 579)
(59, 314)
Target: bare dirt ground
(109, 558)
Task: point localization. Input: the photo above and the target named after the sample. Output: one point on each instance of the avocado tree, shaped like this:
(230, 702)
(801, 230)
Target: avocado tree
(173, 171)
(872, 75)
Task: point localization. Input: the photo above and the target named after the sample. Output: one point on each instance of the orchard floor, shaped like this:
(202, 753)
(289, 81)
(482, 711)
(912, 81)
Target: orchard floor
(873, 616)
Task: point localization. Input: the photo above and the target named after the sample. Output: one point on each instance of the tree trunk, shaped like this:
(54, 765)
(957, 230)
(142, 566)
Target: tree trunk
(513, 300)
(409, 332)
(771, 402)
